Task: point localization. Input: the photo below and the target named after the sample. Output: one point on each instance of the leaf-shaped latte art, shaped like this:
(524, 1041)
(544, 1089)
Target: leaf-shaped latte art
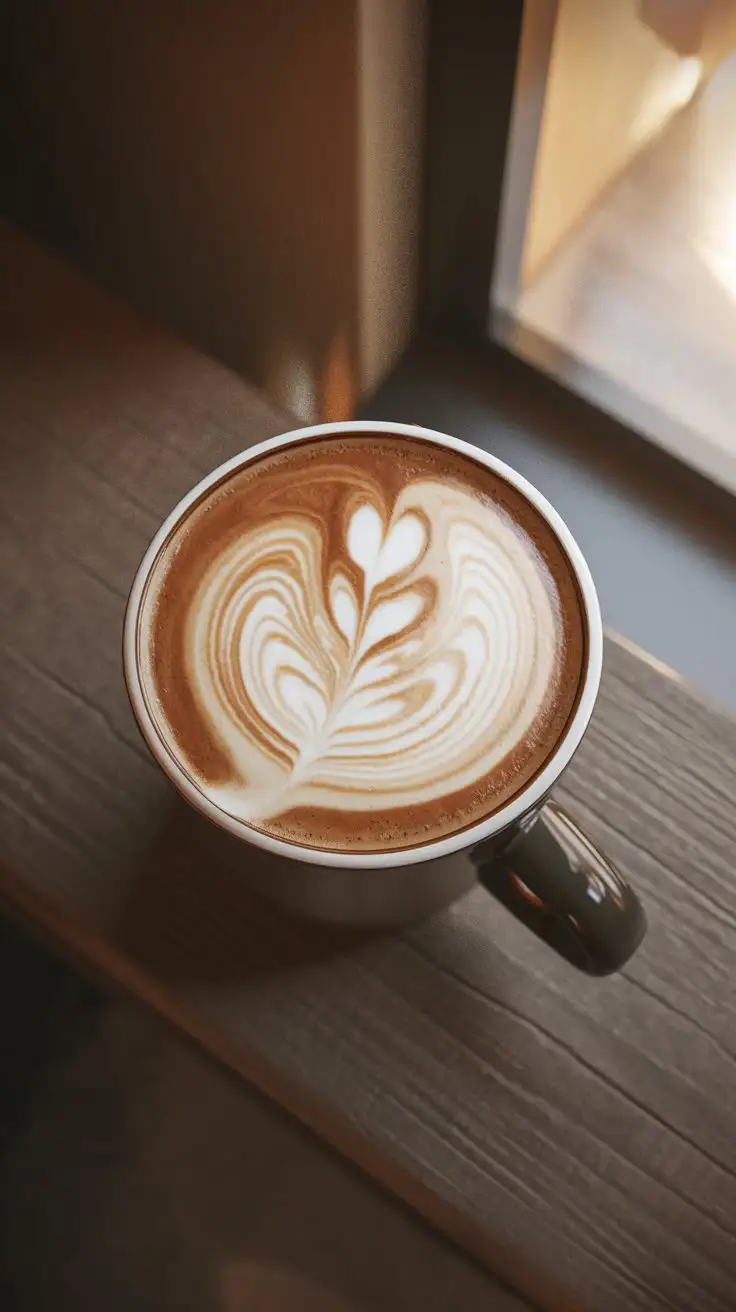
(404, 669)
(344, 607)
(384, 555)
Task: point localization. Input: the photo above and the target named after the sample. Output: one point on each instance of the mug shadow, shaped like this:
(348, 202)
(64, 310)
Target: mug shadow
(192, 912)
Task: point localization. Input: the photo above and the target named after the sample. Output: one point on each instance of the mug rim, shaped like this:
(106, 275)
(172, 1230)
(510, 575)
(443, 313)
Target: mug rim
(528, 797)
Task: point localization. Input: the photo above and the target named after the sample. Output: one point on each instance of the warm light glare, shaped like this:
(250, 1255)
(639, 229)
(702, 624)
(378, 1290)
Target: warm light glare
(722, 265)
(667, 98)
(290, 381)
(718, 253)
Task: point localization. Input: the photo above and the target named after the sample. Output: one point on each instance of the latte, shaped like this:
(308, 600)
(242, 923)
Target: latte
(361, 642)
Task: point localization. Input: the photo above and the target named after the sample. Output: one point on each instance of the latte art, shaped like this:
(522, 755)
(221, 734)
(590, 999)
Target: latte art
(361, 649)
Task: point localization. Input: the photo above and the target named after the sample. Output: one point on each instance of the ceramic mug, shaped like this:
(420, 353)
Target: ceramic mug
(529, 854)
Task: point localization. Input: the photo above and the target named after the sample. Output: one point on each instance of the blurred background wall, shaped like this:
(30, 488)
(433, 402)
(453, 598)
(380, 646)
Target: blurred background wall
(249, 173)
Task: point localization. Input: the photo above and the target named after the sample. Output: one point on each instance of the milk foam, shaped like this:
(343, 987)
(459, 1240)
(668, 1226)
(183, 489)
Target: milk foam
(400, 668)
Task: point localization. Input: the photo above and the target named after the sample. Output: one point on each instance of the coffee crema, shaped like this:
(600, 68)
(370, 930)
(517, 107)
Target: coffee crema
(361, 642)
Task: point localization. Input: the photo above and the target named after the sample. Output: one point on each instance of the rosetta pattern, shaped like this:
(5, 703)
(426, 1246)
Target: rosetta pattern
(404, 669)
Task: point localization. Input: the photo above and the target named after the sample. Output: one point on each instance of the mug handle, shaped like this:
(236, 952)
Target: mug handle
(562, 887)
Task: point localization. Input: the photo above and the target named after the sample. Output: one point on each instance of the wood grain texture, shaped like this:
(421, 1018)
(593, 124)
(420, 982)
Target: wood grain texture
(576, 1135)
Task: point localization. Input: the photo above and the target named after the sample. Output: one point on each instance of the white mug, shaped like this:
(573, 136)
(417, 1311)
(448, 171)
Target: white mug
(528, 853)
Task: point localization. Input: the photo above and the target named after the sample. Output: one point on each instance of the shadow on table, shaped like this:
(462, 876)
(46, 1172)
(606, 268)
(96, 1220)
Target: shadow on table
(192, 911)
(45, 1008)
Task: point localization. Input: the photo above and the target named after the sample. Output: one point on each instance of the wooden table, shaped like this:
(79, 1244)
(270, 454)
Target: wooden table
(576, 1135)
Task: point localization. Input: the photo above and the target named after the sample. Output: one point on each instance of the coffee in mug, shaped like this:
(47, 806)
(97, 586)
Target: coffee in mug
(363, 643)
(369, 652)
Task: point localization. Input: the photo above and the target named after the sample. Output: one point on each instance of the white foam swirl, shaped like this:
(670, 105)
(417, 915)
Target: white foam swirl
(407, 674)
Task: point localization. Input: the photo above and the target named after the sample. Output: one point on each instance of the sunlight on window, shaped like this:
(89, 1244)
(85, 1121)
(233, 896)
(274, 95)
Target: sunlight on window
(667, 98)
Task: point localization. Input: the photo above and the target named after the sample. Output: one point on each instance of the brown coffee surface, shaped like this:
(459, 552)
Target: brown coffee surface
(361, 643)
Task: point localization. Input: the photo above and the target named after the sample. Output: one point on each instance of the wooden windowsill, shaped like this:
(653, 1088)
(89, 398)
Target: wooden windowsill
(575, 1135)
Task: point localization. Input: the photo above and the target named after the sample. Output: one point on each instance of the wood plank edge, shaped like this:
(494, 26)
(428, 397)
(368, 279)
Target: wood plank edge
(109, 969)
(673, 676)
